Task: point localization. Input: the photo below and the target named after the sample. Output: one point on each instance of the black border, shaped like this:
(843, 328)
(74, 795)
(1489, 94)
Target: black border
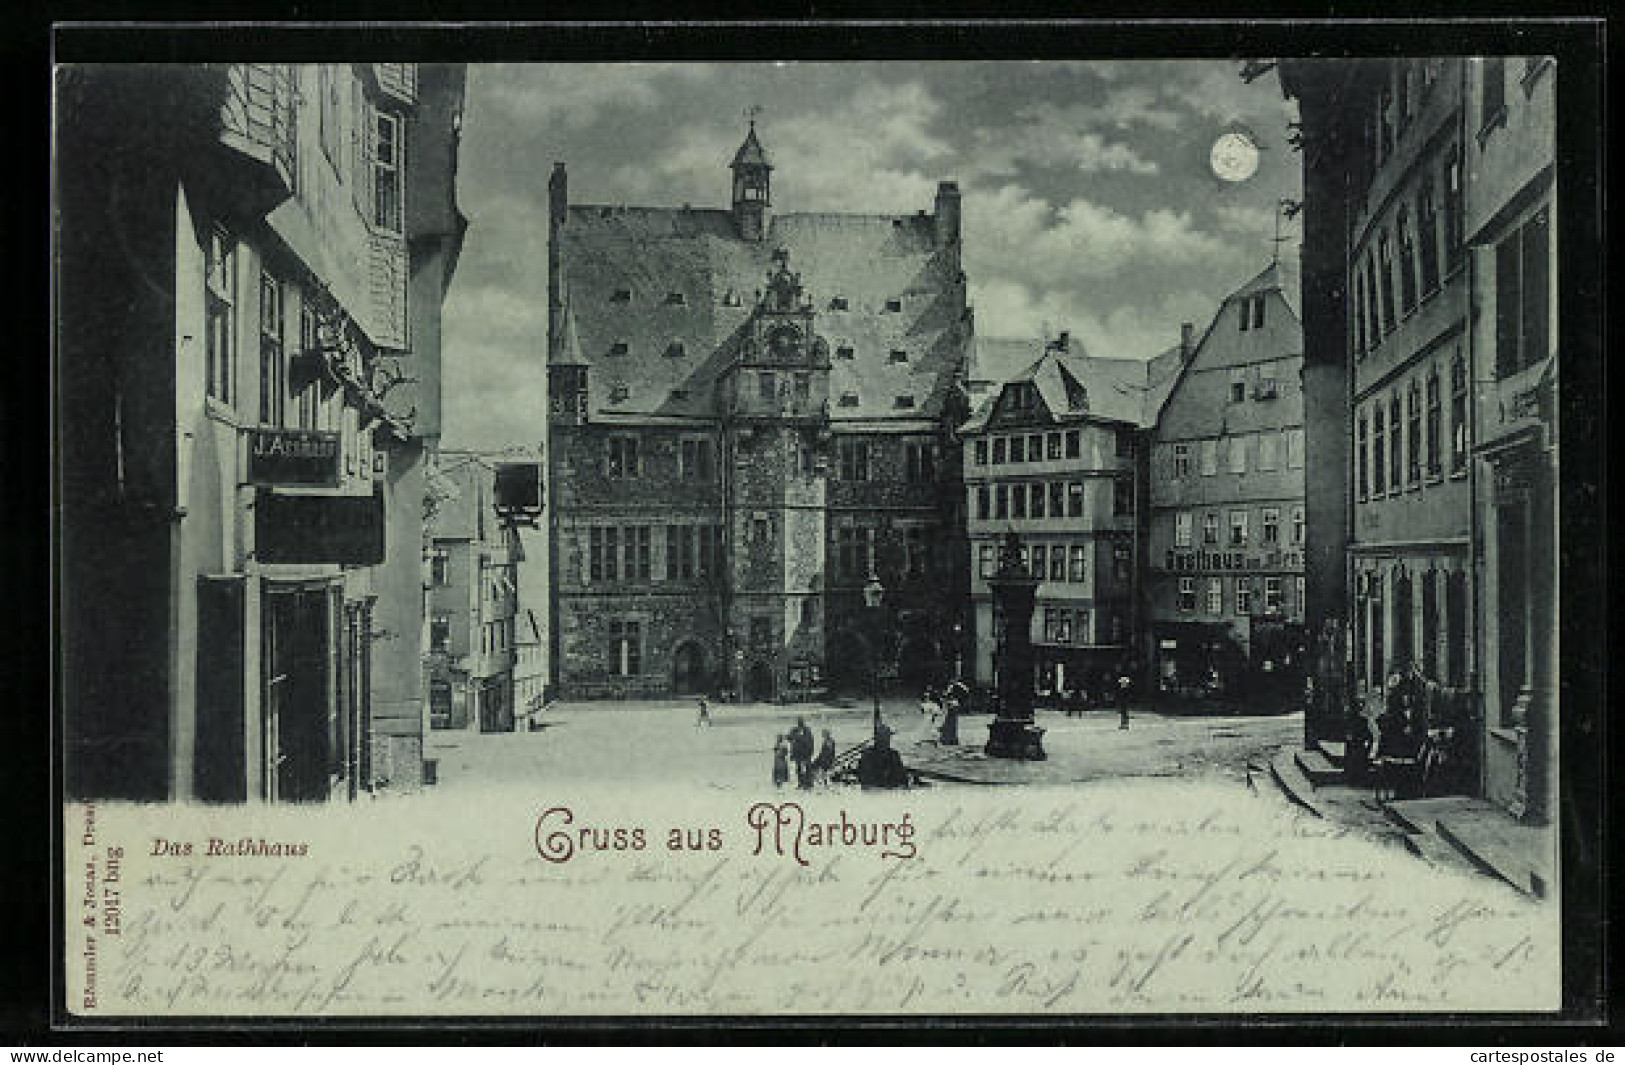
(1578, 43)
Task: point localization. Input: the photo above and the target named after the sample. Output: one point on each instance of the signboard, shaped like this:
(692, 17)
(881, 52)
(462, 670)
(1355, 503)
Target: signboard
(519, 487)
(1232, 560)
(293, 456)
(319, 529)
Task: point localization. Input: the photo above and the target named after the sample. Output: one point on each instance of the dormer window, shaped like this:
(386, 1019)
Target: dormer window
(619, 393)
(894, 306)
(898, 355)
(849, 399)
(679, 395)
(621, 295)
(844, 351)
(838, 303)
(904, 403)
(730, 299)
(618, 348)
(675, 299)
(676, 350)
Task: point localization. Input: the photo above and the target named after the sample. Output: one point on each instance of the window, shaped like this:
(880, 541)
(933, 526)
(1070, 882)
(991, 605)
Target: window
(1272, 526)
(854, 459)
(1052, 446)
(1035, 448)
(1018, 501)
(1187, 593)
(676, 299)
(1493, 100)
(1122, 560)
(1371, 301)
(844, 351)
(1396, 463)
(623, 457)
(897, 355)
(386, 200)
(1359, 313)
(611, 553)
(437, 568)
(221, 336)
(1361, 442)
(1244, 595)
(637, 553)
(1210, 528)
(1238, 385)
(1294, 448)
(1078, 564)
(1074, 500)
(621, 295)
(1210, 457)
(1057, 625)
(838, 303)
(328, 117)
(440, 633)
(983, 500)
(618, 348)
(1428, 221)
(710, 560)
(273, 363)
(1413, 435)
(679, 552)
(1037, 505)
(1379, 468)
(619, 392)
(1074, 443)
(1298, 591)
(998, 450)
(675, 350)
(1039, 558)
(310, 396)
(1266, 451)
(916, 551)
(1453, 211)
(767, 386)
(981, 452)
(1385, 278)
(1297, 526)
(1182, 529)
(1238, 454)
(855, 552)
(1522, 297)
(1057, 563)
(1407, 260)
(1125, 444)
(694, 460)
(1458, 415)
(625, 648)
(1057, 504)
(903, 403)
(848, 399)
(1238, 528)
(1272, 593)
(984, 561)
(1251, 313)
(1215, 595)
(1001, 501)
(1018, 449)
(1182, 460)
(1122, 497)
(1435, 465)
(894, 306)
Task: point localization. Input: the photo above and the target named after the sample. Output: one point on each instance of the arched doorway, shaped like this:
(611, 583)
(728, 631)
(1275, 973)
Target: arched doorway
(688, 672)
(759, 683)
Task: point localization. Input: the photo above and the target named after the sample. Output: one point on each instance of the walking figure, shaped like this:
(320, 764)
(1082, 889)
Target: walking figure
(705, 714)
(801, 752)
(781, 761)
(825, 762)
(1123, 683)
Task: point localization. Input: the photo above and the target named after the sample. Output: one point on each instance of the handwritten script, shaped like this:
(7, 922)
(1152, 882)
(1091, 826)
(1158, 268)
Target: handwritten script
(1151, 897)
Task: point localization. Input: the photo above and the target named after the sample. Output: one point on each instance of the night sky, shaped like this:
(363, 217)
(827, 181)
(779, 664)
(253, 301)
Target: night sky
(1089, 201)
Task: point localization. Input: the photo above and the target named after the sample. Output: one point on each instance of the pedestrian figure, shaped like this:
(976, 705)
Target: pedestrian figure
(801, 752)
(781, 761)
(824, 764)
(1123, 683)
(705, 714)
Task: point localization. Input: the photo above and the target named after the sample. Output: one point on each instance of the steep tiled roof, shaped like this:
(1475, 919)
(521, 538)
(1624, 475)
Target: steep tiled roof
(751, 153)
(642, 280)
(1111, 389)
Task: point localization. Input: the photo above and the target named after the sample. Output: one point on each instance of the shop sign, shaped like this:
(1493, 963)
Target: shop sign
(1232, 560)
(293, 456)
(319, 529)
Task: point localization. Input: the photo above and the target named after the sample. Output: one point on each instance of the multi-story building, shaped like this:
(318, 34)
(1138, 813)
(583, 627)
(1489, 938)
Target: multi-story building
(1429, 284)
(1509, 232)
(1224, 570)
(473, 584)
(750, 417)
(529, 663)
(251, 265)
(1054, 453)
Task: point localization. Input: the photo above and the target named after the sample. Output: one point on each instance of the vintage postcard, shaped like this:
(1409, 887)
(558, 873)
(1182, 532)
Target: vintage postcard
(880, 539)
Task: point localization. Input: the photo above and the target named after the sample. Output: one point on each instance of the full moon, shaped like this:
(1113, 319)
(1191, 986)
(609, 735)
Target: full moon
(1234, 157)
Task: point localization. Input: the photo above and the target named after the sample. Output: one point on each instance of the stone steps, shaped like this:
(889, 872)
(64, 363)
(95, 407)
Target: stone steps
(1318, 768)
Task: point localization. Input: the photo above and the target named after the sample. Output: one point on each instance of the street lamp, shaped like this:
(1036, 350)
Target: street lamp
(872, 593)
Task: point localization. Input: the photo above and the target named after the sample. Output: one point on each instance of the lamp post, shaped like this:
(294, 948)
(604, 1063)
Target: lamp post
(872, 594)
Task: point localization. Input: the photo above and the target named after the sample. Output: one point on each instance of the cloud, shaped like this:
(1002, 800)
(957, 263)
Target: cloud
(1135, 331)
(575, 96)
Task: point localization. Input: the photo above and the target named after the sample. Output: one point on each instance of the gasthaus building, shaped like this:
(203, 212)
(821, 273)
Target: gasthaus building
(749, 416)
(251, 265)
(1224, 572)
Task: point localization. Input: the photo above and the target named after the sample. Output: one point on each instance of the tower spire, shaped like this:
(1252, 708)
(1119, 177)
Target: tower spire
(752, 184)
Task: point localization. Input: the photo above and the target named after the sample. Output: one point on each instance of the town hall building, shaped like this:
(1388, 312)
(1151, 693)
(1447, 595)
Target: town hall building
(750, 419)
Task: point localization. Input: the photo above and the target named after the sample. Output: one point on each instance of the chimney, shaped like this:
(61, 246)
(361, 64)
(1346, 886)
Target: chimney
(1186, 333)
(1063, 342)
(947, 217)
(558, 194)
